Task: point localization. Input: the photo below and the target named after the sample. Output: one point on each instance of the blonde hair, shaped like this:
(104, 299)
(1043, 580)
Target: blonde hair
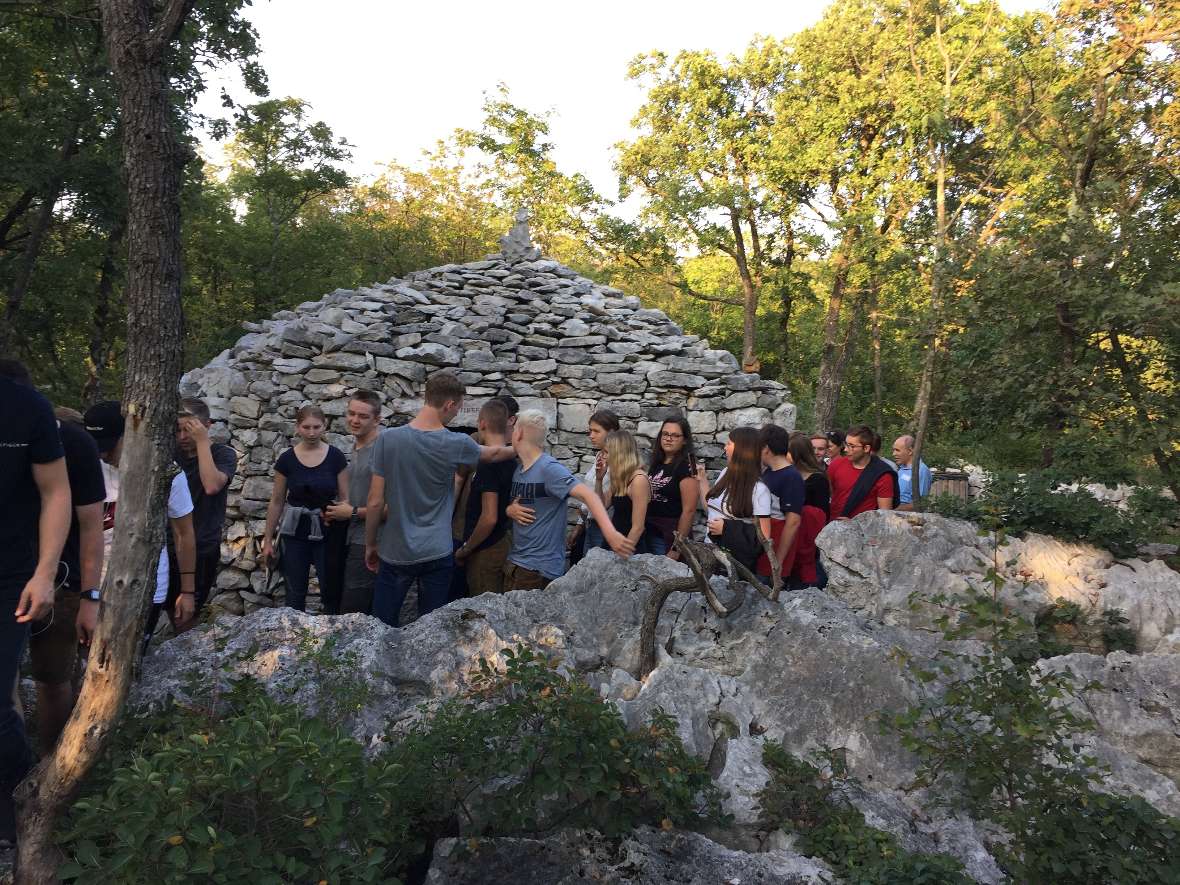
(622, 459)
(534, 424)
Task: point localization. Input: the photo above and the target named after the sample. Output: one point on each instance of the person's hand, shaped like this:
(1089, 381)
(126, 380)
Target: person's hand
(461, 554)
(702, 477)
(520, 514)
(716, 526)
(338, 512)
(372, 560)
(186, 608)
(620, 543)
(673, 555)
(572, 538)
(268, 550)
(195, 428)
(600, 466)
(87, 621)
(36, 600)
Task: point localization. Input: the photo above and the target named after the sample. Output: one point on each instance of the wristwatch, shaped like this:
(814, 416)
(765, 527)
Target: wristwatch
(93, 594)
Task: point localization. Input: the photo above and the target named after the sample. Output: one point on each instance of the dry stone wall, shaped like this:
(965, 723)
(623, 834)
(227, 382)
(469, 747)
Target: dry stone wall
(529, 327)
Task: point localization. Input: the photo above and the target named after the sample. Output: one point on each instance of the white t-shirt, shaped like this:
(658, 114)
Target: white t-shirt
(763, 501)
(180, 503)
(110, 477)
(591, 476)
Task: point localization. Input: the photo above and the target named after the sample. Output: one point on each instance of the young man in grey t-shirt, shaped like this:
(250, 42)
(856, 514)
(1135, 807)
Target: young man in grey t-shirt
(364, 423)
(413, 479)
(541, 489)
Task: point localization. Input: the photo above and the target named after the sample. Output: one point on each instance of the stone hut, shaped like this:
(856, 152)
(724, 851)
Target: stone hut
(514, 323)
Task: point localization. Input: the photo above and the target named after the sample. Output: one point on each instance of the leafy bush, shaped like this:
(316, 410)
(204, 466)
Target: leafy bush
(1000, 730)
(802, 799)
(1066, 627)
(252, 793)
(248, 789)
(1036, 502)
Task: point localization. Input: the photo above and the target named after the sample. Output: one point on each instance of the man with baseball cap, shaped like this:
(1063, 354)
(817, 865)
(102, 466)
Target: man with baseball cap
(105, 423)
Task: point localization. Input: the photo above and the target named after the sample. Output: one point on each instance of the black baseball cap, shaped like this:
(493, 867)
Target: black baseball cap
(105, 423)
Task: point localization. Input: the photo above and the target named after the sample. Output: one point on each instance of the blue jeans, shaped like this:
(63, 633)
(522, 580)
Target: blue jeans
(594, 536)
(394, 582)
(654, 543)
(298, 557)
(15, 757)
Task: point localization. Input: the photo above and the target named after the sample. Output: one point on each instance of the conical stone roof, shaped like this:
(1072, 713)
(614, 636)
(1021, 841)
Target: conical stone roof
(510, 323)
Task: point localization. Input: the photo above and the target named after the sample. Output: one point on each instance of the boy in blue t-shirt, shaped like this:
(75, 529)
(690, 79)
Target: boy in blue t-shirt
(541, 487)
(786, 488)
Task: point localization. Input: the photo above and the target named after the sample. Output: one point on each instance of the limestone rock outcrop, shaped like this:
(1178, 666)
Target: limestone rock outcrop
(882, 563)
(512, 323)
(807, 671)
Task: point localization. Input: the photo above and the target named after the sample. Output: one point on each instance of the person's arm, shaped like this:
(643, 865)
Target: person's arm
(186, 560)
(600, 487)
(373, 514)
(791, 523)
(520, 514)
(689, 501)
(90, 549)
(764, 522)
(703, 487)
(640, 492)
(618, 543)
(278, 493)
(884, 486)
(494, 454)
(489, 513)
(212, 479)
(53, 484)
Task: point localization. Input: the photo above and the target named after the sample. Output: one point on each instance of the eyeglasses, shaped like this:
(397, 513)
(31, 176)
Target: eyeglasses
(849, 445)
(672, 435)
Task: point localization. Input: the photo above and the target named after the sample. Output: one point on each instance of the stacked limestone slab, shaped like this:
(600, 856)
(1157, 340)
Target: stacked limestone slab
(532, 328)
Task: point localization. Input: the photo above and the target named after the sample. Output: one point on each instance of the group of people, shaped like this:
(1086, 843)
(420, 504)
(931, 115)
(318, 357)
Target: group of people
(456, 514)
(465, 514)
(59, 490)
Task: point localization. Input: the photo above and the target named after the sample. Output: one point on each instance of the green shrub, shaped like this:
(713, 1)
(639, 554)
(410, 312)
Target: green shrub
(802, 799)
(248, 789)
(1001, 733)
(1035, 502)
(252, 793)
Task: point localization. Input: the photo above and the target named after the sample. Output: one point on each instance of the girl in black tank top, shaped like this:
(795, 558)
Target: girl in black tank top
(632, 492)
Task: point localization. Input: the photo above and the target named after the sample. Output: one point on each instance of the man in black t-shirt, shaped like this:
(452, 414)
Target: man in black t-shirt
(34, 522)
(208, 467)
(485, 526)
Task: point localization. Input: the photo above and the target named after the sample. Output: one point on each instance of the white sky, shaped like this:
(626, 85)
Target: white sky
(395, 77)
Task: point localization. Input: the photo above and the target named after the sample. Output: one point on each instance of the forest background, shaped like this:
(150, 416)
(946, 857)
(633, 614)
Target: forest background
(908, 210)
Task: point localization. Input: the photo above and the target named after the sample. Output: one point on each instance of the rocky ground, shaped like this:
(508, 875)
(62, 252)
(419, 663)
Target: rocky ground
(811, 671)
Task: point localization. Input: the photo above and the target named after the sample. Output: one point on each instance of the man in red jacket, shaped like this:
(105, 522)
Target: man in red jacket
(860, 480)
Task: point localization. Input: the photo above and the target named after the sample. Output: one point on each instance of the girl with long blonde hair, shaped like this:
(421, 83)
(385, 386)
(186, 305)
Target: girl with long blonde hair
(630, 490)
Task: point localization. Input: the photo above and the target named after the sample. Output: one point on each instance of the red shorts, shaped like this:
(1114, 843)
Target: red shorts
(776, 532)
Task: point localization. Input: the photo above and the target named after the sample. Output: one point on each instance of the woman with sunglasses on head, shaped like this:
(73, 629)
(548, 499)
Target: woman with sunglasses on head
(632, 493)
(674, 487)
(739, 498)
(309, 477)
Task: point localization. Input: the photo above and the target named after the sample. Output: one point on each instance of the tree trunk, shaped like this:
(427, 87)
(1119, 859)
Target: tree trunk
(101, 345)
(830, 378)
(152, 162)
(750, 292)
(786, 297)
(1134, 387)
(926, 384)
(875, 320)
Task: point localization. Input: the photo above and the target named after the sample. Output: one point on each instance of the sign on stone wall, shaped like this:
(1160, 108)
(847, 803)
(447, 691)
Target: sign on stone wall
(469, 414)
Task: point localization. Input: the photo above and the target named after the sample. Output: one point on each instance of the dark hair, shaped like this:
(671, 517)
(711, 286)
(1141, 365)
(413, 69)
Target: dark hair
(509, 402)
(835, 436)
(195, 407)
(495, 413)
(742, 472)
(370, 399)
(876, 443)
(802, 454)
(864, 433)
(16, 372)
(606, 419)
(73, 416)
(687, 452)
(443, 387)
(775, 438)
